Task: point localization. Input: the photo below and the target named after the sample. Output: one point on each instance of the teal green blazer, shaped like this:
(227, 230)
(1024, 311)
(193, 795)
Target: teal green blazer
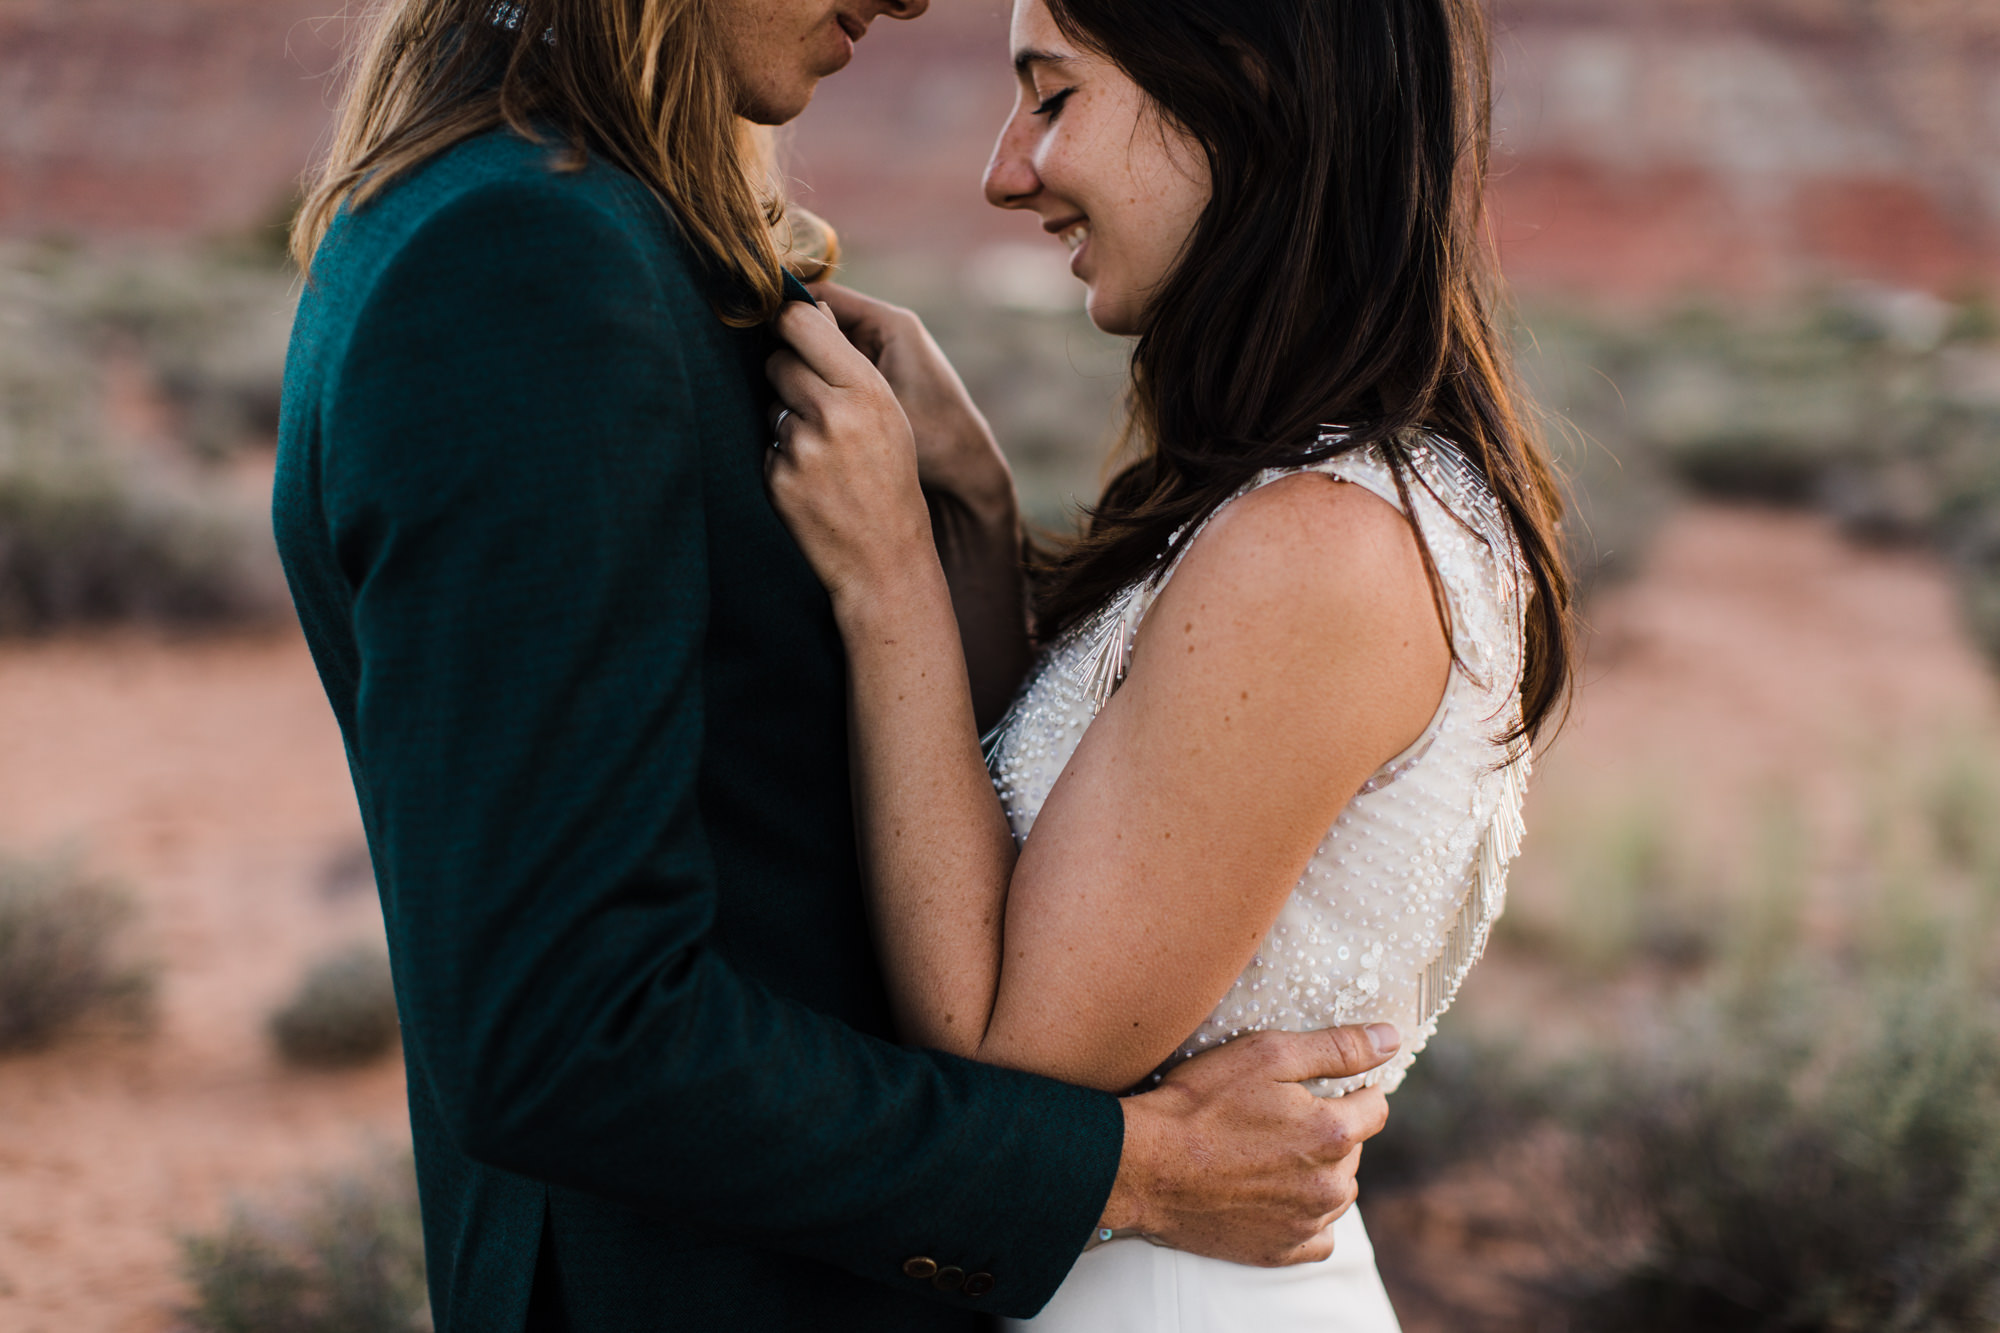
(593, 702)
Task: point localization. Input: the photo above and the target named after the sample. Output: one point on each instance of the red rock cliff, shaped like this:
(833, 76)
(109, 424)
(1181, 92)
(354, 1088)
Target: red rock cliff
(1646, 145)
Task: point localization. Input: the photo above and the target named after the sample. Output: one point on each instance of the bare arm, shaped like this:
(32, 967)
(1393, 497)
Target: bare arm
(1296, 650)
(975, 513)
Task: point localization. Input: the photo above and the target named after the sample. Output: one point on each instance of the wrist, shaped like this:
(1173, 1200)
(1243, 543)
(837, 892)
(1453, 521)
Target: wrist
(1130, 1206)
(993, 503)
(885, 600)
(974, 472)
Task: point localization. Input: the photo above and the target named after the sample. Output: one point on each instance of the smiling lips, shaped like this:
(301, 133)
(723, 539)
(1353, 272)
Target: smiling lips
(1073, 234)
(853, 27)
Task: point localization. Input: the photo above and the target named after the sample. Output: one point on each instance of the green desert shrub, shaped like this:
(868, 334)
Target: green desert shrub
(350, 1260)
(80, 545)
(63, 954)
(1464, 1100)
(1880, 409)
(1621, 887)
(1804, 1155)
(129, 387)
(343, 1013)
(1962, 802)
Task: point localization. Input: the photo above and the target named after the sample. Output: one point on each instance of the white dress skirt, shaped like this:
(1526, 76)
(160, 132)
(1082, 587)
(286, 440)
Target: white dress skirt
(1389, 916)
(1132, 1286)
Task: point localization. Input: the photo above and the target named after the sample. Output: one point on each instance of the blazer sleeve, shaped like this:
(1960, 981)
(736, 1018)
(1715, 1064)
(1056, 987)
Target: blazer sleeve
(515, 503)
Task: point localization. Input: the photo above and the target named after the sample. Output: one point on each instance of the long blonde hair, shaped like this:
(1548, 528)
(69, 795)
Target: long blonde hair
(638, 82)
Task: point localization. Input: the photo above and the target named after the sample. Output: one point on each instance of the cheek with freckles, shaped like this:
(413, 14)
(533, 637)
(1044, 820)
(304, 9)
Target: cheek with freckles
(1148, 202)
(776, 52)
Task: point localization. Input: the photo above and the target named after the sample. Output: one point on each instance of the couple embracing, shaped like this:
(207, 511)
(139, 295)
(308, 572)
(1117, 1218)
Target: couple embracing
(664, 607)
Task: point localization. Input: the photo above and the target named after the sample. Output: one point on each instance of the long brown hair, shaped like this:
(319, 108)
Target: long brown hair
(636, 81)
(1341, 273)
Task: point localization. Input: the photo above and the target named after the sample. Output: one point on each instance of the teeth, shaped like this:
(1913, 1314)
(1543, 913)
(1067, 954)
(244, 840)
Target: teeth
(1074, 237)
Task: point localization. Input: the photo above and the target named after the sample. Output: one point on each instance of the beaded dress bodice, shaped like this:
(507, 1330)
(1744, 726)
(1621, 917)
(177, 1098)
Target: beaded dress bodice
(1398, 900)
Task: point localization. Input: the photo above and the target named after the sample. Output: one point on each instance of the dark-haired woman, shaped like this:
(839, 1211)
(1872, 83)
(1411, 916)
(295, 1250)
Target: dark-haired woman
(1266, 771)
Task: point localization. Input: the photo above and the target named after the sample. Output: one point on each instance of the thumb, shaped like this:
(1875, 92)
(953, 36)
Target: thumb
(1334, 1052)
(862, 318)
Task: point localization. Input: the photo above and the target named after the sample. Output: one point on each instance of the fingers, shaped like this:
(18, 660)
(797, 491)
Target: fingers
(1361, 1114)
(783, 421)
(797, 386)
(875, 327)
(1317, 1250)
(853, 312)
(1295, 1057)
(1344, 1192)
(818, 341)
(847, 305)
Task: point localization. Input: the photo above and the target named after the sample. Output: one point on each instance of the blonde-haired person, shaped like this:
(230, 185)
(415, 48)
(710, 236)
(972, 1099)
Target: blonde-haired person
(594, 701)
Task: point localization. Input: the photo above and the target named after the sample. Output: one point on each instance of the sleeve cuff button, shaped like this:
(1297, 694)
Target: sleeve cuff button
(978, 1284)
(920, 1268)
(948, 1278)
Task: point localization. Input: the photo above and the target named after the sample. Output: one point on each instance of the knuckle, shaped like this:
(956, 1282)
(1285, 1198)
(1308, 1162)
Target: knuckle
(1356, 1052)
(1341, 1143)
(1263, 1048)
(1336, 1135)
(1353, 1120)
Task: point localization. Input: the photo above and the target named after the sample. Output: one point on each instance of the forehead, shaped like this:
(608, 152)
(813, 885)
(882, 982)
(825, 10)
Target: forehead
(1034, 29)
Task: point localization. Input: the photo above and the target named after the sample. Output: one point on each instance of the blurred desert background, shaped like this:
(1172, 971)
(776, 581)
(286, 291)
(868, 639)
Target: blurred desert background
(1733, 1061)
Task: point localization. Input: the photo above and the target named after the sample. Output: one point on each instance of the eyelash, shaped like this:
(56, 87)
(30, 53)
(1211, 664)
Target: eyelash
(1053, 103)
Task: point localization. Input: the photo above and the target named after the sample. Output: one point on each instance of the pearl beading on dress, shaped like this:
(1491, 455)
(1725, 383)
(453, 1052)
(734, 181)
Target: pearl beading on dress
(1397, 903)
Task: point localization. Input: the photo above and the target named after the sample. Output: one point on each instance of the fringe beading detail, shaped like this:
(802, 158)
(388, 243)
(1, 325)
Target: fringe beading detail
(1466, 941)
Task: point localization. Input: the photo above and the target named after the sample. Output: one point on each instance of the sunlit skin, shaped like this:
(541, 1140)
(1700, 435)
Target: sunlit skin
(1086, 151)
(777, 51)
(1195, 800)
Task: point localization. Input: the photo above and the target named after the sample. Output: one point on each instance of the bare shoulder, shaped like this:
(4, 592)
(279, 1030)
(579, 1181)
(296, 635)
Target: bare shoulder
(1301, 635)
(1314, 550)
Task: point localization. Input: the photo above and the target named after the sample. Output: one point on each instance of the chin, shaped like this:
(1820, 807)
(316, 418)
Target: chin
(776, 106)
(1112, 314)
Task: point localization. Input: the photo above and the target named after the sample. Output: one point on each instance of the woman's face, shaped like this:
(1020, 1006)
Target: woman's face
(777, 51)
(1089, 153)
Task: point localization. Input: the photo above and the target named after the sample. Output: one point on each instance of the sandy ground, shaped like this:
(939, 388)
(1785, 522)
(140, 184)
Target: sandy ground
(208, 777)
(1763, 691)
(1761, 657)
(1757, 651)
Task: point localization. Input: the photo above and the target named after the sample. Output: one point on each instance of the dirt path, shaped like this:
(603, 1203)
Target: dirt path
(208, 777)
(1756, 650)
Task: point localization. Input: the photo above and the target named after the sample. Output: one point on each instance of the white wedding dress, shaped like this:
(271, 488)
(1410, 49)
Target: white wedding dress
(1391, 913)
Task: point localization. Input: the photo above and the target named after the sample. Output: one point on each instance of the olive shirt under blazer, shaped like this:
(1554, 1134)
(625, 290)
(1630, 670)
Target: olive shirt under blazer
(594, 704)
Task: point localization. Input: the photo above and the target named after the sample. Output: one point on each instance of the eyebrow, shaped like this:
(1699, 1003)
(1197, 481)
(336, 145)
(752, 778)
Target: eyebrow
(1025, 60)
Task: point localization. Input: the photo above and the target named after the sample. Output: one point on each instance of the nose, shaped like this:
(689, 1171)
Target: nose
(904, 9)
(1011, 180)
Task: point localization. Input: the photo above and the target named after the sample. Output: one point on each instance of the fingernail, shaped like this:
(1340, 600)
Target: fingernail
(1385, 1038)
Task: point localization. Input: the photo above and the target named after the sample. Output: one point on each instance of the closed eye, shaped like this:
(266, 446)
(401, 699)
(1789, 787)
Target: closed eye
(1053, 103)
